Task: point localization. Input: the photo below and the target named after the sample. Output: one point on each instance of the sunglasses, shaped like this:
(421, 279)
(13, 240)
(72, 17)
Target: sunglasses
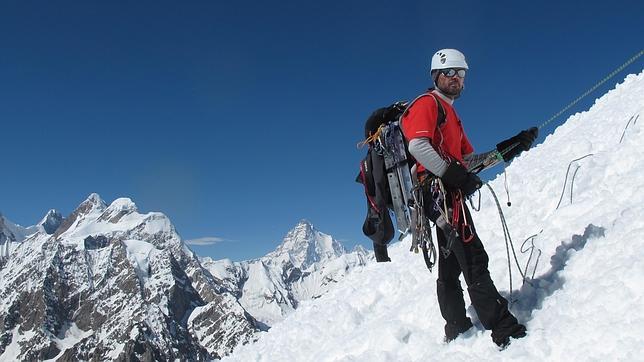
(450, 72)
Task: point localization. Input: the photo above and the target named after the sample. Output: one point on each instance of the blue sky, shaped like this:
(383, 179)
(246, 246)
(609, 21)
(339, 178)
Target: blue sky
(238, 119)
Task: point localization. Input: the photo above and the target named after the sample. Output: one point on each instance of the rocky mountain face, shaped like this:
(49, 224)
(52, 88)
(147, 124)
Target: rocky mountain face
(109, 283)
(304, 266)
(112, 284)
(11, 234)
(7, 237)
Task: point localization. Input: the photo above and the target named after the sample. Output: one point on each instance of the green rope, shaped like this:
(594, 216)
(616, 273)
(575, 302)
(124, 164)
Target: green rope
(612, 74)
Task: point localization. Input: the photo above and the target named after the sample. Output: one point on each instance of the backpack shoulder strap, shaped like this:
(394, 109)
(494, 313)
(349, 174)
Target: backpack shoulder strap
(440, 119)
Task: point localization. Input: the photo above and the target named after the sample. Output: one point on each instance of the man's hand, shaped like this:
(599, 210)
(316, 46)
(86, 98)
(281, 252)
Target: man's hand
(523, 141)
(456, 177)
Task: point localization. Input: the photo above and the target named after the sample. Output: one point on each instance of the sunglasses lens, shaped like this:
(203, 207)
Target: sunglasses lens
(452, 72)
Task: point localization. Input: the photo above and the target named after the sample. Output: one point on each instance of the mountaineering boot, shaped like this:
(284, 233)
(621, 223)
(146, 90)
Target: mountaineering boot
(454, 329)
(503, 340)
(381, 253)
(492, 310)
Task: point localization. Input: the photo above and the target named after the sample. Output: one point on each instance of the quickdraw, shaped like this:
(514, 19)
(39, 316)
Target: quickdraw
(422, 233)
(448, 216)
(467, 233)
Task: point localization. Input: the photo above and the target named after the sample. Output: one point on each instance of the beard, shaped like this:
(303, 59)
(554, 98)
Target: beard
(452, 89)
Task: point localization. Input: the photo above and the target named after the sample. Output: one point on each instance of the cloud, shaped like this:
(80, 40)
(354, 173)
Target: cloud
(206, 240)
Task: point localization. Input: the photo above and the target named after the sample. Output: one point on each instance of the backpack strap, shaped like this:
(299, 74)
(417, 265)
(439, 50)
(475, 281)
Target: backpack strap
(440, 118)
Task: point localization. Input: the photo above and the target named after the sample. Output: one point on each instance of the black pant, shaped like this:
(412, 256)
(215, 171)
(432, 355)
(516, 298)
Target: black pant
(471, 259)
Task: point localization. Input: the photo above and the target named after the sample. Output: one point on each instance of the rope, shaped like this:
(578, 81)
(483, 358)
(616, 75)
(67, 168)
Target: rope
(566, 180)
(628, 124)
(506, 233)
(531, 250)
(372, 137)
(572, 181)
(508, 240)
(606, 78)
(505, 184)
(584, 95)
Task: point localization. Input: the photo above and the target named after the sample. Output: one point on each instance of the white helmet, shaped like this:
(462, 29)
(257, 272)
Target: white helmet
(448, 58)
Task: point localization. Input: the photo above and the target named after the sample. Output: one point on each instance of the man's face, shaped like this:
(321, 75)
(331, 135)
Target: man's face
(450, 86)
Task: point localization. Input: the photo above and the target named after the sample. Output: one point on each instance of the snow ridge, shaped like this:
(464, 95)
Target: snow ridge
(585, 301)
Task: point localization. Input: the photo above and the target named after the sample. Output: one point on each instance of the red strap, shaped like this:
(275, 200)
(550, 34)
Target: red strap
(467, 234)
(366, 191)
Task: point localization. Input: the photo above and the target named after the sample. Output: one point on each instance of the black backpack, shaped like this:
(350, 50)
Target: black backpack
(378, 225)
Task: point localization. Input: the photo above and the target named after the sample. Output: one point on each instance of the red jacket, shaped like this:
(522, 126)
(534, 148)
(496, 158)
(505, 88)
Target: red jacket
(449, 140)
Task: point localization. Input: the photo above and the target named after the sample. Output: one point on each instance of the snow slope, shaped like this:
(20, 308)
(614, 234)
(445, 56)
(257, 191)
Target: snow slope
(586, 301)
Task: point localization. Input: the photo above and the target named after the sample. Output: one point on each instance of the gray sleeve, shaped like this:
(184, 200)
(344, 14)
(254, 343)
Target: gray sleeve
(427, 156)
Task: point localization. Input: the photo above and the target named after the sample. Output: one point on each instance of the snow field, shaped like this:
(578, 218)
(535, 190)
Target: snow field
(586, 301)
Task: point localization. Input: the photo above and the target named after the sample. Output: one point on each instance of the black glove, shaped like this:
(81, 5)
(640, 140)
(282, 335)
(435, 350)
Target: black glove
(524, 141)
(456, 177)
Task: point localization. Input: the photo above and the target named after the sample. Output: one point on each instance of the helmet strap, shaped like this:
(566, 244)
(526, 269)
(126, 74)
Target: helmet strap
(434, 74)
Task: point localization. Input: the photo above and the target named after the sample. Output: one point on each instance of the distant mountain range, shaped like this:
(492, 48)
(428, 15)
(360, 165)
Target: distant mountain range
(304, 266)
(109, 283)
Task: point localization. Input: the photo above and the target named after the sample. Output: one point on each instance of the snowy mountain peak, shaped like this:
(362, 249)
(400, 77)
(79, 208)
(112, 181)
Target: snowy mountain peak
(5, 232)
(304, 228)
(123, 203)
(10, 232)
(119, 208)
(304, 246)
(304, 222)
(92, 205)
(360, 249)
(10, 235)
(93, 202)
(114, 285)
(51, 221)
(305, 266)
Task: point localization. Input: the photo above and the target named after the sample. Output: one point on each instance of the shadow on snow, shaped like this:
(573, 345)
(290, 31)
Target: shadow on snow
(534, 291)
